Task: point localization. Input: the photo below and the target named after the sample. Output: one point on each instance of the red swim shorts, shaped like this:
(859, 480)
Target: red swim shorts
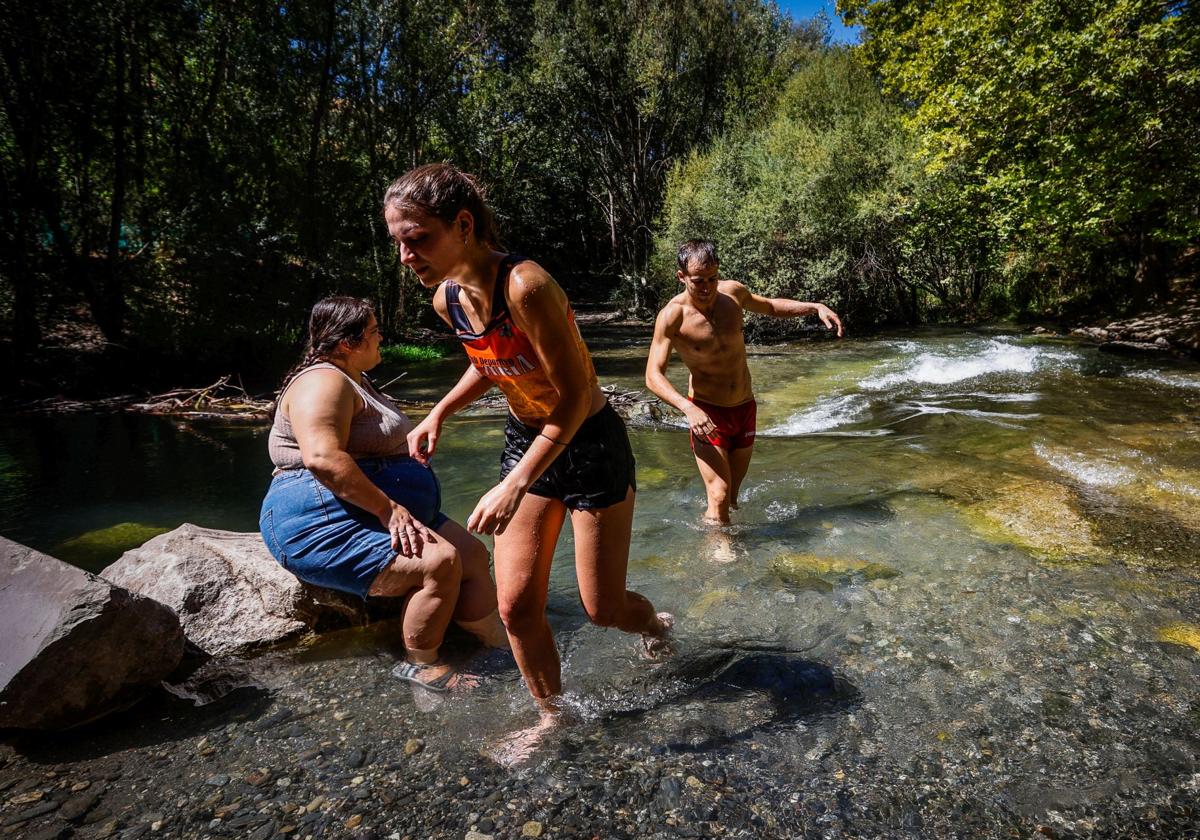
(735, 424)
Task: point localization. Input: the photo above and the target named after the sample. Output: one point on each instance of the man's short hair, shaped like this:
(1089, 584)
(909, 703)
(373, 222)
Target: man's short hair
(700, 251)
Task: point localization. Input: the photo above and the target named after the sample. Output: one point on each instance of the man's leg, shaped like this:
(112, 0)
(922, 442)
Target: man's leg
(523, 556)
(601, 560)
(739, 462)
(713, 462)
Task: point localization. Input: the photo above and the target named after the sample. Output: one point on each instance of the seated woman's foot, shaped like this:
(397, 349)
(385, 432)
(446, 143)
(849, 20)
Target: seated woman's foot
(658, 643)
(437, 677)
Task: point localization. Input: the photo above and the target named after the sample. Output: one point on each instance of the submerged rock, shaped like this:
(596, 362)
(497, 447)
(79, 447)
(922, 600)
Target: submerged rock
(74, 647)
(93, 549)
(709, 600)
(1038, 516)
(229, 592)
(804, 567)
(1181, 633)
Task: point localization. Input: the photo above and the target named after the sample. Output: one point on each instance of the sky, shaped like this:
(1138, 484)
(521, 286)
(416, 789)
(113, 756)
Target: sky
(801, 9)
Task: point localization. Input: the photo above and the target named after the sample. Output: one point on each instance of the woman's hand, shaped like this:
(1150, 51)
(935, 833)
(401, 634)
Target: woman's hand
(496, 509)
(422, 441)
(408, 535)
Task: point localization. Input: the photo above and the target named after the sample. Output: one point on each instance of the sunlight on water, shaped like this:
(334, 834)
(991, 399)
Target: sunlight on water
(944, 541)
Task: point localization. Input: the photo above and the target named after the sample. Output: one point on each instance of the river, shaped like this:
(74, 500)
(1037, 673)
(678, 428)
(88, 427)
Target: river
(961, 596)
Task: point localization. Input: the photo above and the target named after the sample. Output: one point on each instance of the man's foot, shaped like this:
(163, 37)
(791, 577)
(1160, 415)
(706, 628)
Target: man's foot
(658, 642)
(437, 677)
(517, 747)
(722, 549)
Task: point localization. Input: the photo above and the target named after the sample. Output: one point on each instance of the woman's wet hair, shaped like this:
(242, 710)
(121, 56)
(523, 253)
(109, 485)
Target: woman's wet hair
(332, 320)
(441, 190)
(700, 251)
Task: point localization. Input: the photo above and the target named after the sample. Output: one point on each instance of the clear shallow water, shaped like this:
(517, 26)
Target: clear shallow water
(964, 563)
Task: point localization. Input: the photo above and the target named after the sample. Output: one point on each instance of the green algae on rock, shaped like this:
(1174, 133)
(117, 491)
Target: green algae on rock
(1180, 633)
(96, 549)
(710, 600)
(1037, 516)
(813, 571)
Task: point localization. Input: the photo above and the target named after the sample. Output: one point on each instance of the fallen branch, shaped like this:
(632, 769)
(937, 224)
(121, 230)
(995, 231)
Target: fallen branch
(220, 401)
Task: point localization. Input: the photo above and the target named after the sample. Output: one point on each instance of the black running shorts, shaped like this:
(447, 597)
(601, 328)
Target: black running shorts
(595, 470)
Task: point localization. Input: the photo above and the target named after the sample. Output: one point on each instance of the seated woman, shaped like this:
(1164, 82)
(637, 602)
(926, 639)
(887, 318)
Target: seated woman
(349, 510)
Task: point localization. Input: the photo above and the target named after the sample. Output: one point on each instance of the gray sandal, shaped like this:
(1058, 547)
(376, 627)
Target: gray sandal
(409, 672)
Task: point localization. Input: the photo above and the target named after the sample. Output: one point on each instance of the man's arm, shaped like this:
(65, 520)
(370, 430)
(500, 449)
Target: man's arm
(666, 327)
(781, 307)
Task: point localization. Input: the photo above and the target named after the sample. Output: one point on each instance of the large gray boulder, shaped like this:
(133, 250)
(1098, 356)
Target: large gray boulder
(74, 647)
(230, 594)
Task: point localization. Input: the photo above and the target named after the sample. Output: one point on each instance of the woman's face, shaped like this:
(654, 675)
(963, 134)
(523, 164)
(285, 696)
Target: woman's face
(428, 246)
(365, 354)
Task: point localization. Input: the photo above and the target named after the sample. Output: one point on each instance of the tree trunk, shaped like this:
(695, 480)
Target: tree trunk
(315, 207)
(111, 315)
(1150, 280)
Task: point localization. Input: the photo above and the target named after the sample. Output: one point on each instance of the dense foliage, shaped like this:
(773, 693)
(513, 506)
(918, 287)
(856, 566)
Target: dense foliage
(1069, 130)
(198, 173)
(189, 177)
(807, 204)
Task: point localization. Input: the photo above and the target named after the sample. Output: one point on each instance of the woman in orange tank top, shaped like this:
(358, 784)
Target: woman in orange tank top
(566, 451)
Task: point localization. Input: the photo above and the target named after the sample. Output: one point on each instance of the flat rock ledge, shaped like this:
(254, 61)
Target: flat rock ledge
(1176, 331)
(74, 647)
(229, 593)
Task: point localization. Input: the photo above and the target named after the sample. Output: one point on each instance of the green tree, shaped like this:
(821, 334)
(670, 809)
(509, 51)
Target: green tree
(814, 203)
(635, 86)
(1072, 127)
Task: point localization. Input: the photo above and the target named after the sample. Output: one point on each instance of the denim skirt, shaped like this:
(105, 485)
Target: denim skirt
(325, 540)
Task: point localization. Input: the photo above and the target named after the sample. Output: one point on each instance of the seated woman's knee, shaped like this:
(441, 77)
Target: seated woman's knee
(443, 566)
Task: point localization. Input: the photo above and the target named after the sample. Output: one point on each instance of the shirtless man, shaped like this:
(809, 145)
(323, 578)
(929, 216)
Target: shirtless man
(704, 325)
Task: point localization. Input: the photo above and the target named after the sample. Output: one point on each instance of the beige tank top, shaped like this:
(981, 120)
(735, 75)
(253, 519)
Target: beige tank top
(379, 430)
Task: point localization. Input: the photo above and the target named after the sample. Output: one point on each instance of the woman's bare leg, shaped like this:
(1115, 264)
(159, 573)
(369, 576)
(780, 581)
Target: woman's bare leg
(601, 560)
(524, 553)
(477, 595)
(433, 579)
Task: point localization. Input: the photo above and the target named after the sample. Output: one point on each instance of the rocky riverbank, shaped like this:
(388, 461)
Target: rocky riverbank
(360, 760)
(1172, 328)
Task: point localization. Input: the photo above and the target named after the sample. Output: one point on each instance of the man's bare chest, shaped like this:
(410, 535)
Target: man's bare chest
(715, 336)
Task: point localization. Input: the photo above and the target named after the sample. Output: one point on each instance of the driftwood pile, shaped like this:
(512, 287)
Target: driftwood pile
(225, 402)
(632, 405)
(221, 401)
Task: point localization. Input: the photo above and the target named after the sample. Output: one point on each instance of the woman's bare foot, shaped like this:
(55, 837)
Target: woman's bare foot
(517, 747)
(658, 642)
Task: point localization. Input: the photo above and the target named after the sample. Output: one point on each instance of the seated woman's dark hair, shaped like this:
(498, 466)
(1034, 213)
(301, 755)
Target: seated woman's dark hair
(332, 320)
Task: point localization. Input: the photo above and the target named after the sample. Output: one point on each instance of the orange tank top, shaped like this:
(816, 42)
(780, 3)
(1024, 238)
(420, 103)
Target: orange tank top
(505, 355)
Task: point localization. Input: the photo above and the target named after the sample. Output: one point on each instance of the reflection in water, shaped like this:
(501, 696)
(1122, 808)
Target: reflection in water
(969, 560)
